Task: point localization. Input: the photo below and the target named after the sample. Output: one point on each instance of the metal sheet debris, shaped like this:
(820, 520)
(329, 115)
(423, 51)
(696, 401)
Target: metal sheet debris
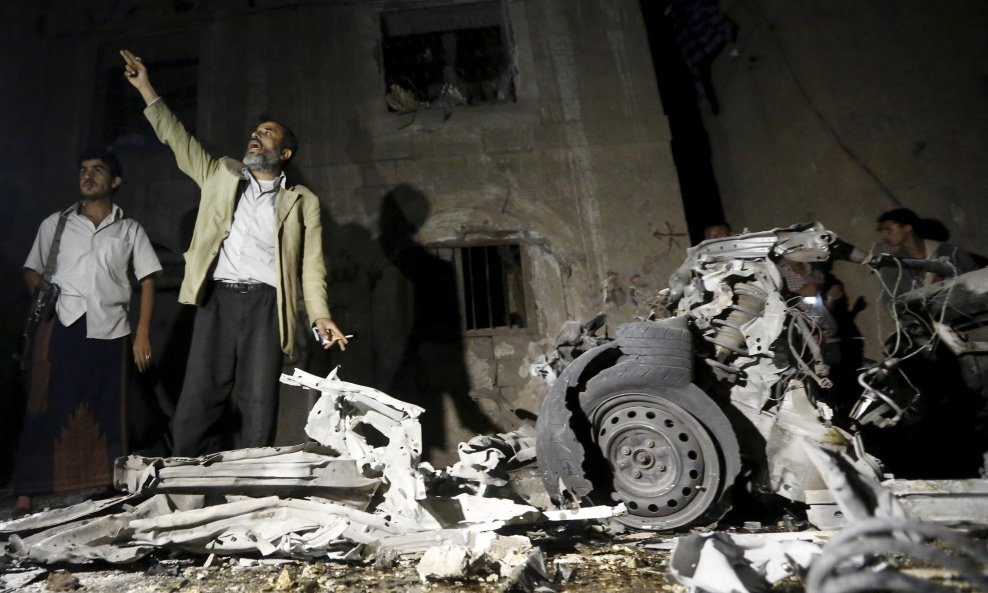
(878, 554)
(14, 581)
(345, 496)
(738, 563)
(950, 502)
(852, 486)
(873, 552)
(487, 459)
(258, 471)
(61, 516)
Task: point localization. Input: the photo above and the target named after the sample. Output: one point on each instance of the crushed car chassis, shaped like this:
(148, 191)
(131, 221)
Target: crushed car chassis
(732, 388)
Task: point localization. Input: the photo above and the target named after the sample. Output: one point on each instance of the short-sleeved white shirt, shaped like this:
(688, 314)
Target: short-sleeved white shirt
(92, 269)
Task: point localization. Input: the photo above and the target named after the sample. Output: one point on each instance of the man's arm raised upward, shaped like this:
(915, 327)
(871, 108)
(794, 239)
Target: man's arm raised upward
(190, 156)
(137, 75)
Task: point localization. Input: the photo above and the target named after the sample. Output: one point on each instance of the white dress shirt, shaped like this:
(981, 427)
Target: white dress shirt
(92, 269)
(247, 255)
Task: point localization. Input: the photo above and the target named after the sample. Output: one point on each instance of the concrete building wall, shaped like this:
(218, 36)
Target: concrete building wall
(577, 170)
(839, 111)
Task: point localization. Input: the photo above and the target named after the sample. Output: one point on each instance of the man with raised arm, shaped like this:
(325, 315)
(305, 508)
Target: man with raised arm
(257, 242)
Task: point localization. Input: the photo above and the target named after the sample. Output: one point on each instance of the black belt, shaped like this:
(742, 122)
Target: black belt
(243, 287)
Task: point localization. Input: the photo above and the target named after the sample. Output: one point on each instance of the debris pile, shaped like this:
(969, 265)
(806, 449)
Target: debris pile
(882, 548)
(358, 492)
(739, 563)
(573, 340)
(879, 554)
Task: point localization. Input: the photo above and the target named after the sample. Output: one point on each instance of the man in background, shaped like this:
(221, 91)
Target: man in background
(903, 231)
(717, 230)
(75, 420)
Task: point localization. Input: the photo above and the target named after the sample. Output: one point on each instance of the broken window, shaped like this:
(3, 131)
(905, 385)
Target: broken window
(446, 56)
(491, 283)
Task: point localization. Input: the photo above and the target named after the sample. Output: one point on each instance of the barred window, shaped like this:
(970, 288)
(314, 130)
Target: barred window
(491, 282)
(446, 56)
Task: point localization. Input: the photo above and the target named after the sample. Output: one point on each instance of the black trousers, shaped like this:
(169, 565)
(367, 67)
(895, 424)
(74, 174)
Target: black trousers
(229, 398)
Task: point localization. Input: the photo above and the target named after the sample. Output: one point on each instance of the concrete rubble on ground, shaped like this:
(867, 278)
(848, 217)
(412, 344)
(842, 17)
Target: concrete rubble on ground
(873, 551)
(738, 562)
(357, 492)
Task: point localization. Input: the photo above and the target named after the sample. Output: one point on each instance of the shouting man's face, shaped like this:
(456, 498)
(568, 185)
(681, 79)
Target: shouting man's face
(264, 151)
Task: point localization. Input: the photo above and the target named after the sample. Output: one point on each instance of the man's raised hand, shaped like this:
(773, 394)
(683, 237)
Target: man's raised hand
(136, 74)
(135, 71)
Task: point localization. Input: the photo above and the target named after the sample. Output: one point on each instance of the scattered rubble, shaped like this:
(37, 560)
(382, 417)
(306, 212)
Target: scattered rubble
(358, 493)
(61, 580)
(738, 563)
(604, 565)
(269, 519)
(880, 554)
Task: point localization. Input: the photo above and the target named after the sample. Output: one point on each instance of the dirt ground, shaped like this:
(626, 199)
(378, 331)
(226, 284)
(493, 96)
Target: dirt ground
(578, 560)
(598, 567)
(575, 562)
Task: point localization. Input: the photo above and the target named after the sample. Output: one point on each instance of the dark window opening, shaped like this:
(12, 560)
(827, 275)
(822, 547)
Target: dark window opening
(491, 282)
(493, 287)
(446, 56)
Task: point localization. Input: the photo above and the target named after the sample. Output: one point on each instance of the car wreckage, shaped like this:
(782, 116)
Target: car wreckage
(733, 390)
(655, 429)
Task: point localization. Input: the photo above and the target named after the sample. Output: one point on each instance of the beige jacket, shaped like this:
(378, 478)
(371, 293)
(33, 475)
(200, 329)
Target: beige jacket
(299, 254)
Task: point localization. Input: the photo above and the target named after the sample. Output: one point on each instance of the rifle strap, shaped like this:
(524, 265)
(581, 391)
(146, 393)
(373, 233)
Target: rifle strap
(56, 241)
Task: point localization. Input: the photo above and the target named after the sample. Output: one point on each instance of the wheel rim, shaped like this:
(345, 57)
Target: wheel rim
(665, 464)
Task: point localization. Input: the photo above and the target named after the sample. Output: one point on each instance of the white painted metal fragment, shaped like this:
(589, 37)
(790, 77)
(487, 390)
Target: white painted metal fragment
(485, 458)
(737, 563)
(306, 501)
(587, 513)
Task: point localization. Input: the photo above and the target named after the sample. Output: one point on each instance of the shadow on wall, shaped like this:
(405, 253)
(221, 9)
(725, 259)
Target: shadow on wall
(350, 254)
(400, 302)
(417, 313)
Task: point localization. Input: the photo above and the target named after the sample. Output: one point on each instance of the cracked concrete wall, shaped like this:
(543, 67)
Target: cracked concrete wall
(583, 153)
(578, 171)
(839, 111)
